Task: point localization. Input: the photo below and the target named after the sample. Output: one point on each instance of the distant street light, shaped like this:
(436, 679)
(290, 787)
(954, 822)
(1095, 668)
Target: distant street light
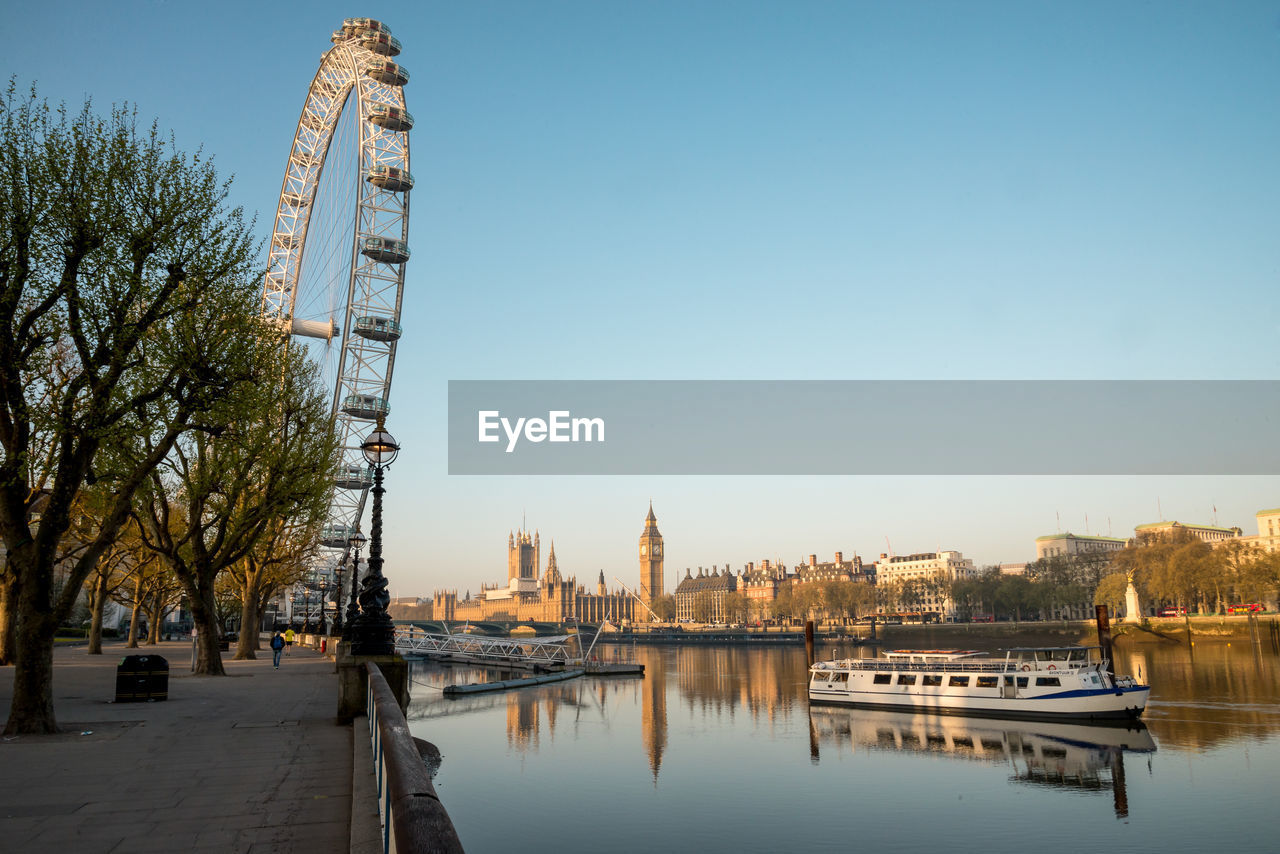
(356, 541)
(373, 633)
(337, 617)
(324, 594)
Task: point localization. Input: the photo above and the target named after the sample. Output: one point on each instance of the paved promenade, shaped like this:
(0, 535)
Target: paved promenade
(252, 762)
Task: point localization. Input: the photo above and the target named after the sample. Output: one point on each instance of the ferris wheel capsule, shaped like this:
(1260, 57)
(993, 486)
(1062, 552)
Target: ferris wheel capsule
(388, 250)
(391, 178)
(353, 477)
(366, 407)
(381, 43)
(391, 118)
(360, 26)
(377, 328)
(387, 71)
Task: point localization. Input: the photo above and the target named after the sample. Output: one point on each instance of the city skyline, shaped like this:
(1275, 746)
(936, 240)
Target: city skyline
(674, 570)
(767, 190)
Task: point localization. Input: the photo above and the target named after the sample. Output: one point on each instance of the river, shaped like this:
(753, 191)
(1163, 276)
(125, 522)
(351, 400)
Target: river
(716, 749)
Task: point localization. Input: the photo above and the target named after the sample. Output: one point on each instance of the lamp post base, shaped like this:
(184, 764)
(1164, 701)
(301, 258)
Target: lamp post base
(373, 637)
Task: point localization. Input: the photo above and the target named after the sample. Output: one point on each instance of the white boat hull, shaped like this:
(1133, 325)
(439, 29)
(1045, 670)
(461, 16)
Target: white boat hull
(1036, 683)
(1118, 703)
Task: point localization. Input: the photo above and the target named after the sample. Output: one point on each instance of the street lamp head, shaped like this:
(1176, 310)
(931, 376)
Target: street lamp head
(356, 540)
(380, 447)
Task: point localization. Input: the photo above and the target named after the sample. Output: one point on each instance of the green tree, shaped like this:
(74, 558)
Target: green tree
(215, 496)
(112, 238)
(703, 608)
(1111, 592)
(784, 604)
(277, 561)
(665, 607)
(735, 607)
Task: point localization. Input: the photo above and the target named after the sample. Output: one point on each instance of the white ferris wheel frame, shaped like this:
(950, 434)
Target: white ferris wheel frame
(375, 288)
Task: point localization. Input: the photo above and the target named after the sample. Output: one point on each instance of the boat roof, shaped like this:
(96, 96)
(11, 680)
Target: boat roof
(947, 654)
(1050, 648)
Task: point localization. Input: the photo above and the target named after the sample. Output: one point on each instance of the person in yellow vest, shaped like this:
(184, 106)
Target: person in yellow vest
(288, 640)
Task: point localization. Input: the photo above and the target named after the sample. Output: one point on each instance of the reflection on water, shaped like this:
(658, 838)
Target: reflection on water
(1057, 755)
(729, 731)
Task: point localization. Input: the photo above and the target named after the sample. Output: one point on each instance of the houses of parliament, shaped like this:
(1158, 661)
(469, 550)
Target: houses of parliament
(551, 597)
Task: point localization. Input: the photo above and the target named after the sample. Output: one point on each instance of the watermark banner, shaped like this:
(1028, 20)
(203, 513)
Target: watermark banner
(868, 427)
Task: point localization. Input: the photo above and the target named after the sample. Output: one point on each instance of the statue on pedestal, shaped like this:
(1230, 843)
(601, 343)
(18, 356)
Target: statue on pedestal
(1132, 608)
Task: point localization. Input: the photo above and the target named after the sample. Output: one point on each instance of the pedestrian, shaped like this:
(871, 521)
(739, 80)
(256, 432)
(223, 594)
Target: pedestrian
(288, 640)
(277, 646)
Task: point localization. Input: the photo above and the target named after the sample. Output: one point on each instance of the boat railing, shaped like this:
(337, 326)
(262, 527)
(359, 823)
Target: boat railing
(969, 666)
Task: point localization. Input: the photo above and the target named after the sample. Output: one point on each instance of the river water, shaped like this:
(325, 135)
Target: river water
(717, 749)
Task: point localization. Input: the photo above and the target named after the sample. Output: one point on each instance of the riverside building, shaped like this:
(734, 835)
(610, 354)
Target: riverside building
(1059, 545)
(918, 580)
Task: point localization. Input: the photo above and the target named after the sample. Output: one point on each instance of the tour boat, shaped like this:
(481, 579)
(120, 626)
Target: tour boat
(1031, 682)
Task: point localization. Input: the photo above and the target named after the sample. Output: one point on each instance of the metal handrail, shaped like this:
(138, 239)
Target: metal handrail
(413, 819)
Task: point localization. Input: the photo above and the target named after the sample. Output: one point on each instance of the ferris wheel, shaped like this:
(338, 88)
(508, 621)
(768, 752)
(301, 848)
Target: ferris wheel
(336, 260)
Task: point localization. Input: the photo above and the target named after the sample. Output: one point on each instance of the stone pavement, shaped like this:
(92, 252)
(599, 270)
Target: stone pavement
(252, 762)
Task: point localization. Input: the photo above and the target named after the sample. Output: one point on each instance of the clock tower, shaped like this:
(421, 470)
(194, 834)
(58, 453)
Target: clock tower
(650, 560)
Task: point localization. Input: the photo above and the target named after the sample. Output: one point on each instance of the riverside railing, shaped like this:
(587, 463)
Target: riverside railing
(413, 819)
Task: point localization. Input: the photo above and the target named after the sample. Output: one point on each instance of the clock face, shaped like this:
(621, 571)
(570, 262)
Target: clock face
(644, 550)
(657, 550)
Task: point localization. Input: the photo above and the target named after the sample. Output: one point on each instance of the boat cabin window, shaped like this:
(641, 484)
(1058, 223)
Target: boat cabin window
(931, 680)
(1047, 681)
(819, 676)
(1022, 681)
(959, 682)
(882, 679)
(906, 679)
(840, 677)
(987, 681)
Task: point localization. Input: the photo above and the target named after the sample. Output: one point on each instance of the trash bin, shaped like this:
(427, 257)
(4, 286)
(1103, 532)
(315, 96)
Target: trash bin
(140, 678)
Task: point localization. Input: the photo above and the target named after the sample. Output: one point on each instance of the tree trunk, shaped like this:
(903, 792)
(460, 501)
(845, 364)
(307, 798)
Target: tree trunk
(98, 600)
(155, 617)
(204, 613)
(248, 618)
(31, 712)
(133, 614)
(8, 618)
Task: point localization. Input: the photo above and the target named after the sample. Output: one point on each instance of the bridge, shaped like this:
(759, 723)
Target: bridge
(546, 653)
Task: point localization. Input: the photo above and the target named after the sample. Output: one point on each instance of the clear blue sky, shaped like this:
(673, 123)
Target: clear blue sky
(780, 190)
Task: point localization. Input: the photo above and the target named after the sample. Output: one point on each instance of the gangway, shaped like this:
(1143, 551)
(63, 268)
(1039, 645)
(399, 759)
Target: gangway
(535, 653)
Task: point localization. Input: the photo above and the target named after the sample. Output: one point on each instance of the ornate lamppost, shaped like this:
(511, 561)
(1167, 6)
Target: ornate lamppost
(324, 594)
(373, 633)
(356, 541)
(306, 609)
(337, 607)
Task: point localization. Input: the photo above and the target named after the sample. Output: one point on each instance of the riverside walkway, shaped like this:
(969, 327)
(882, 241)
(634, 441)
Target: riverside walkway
(252, 762)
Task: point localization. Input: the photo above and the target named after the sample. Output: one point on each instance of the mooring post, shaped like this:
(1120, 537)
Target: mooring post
(1104, 638)
(808, 641)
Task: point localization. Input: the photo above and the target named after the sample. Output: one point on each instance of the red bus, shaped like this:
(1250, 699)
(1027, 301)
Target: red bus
(1251, 608)
(1172, 612)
